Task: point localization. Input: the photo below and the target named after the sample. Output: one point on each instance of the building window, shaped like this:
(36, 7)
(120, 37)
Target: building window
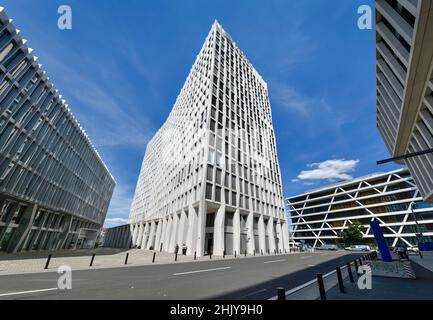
(218, 194)
(208, 191)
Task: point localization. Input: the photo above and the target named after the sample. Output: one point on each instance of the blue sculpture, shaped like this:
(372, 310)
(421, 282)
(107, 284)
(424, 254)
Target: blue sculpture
(380, 240)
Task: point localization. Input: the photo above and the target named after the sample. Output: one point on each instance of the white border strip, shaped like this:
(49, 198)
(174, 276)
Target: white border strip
(198, 271)
(26, 292)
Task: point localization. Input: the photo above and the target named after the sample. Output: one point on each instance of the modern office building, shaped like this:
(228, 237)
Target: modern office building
(118, 237)
(392, 198)
(54, 187)
(404, 54)
(210, 178)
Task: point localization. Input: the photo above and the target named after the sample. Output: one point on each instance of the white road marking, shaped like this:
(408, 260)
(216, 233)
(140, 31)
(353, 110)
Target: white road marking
(306, 257)
(26, 292)
(198, 271)
(275, 261)
(251, 293)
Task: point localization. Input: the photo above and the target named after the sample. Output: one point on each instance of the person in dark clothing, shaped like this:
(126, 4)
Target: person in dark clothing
(402, 251)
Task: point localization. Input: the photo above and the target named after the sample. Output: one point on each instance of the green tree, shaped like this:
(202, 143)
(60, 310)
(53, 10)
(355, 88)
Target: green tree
(352, 235)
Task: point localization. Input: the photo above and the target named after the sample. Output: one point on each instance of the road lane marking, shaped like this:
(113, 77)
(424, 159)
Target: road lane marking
(198, 271)
(306, 257)
(274, 261)
(251, 293)
(26, 292)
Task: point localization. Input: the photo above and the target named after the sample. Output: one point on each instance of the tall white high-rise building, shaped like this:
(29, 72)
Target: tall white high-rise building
(210, 178)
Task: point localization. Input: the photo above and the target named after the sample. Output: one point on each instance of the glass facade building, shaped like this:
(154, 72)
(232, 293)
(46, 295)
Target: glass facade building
(54, 187)
(404, 77)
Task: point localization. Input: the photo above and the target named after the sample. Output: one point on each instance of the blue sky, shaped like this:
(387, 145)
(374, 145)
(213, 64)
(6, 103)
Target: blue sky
(122, 65)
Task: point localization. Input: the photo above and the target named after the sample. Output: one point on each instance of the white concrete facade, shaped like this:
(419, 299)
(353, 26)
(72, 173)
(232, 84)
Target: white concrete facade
(404, 64)
(210, 178)
(318, 215)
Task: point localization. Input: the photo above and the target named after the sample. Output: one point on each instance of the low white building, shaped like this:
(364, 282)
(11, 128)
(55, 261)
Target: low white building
(392, 198)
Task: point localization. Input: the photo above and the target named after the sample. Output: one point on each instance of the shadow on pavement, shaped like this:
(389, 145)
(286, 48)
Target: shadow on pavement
(384, 288)
(268, 289)
(60, 253)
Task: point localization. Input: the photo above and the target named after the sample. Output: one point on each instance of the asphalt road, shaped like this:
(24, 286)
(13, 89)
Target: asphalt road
(238, 279)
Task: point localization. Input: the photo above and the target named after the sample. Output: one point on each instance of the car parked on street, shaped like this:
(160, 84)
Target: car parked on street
(358, 247)
(328, 247)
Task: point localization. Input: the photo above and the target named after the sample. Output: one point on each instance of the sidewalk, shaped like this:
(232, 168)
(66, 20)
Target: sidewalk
(384, 288)
(34, 262)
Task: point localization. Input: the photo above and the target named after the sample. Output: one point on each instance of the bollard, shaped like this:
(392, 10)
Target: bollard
(285, 250)
(356, 267)
(175, 256)
(261, 251)
(91, 260)
(275, 251)
(154, 254)
(340, 280)
(281, 293)
(254, 253)
(224, 254)
(349, 271)
(160, 247)
(245, 253)
(280, 251)
(210, 255)
(321, 286)
(195, 255)
(235, 253)
(126, 258)
(48, 261)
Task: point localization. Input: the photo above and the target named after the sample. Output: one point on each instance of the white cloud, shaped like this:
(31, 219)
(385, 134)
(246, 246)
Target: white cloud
(329, 170)
(307, 106)
(113, 222)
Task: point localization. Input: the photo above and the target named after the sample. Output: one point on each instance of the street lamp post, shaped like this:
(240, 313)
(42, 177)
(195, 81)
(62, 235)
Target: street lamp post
(418, 233)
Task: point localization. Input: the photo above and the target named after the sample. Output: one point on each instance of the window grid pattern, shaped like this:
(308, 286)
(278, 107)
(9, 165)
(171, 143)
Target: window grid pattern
(318, 215)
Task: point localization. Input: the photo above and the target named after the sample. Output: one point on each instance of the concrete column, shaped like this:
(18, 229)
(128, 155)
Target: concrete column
(151, 242)
(271, 236)
(134, 234)
(191, 237)
(173, 235)
(163, 232)
(262, 234)
(158, 234)
(23, 229)
(218, 233)
(236, 232)
(168, 234)
(250, 233)
(145, 237)
(140, 234)
(285, 231)
(181, 232)
(280, 236)
(201, 225)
